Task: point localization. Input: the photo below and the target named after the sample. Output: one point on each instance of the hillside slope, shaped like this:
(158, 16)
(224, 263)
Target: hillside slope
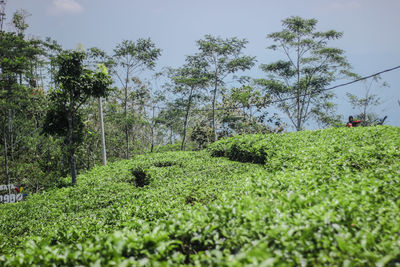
(328, 197)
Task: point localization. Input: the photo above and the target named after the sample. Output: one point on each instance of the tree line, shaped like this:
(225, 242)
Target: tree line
(49, 97)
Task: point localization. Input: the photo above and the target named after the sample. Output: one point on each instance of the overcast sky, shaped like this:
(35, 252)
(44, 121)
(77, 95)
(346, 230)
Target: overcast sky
(371, 30)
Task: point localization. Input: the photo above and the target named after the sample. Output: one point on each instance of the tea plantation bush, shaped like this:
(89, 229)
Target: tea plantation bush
(329, 197)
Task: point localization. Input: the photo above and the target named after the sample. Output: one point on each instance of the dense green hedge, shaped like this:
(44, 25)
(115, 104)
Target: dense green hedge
(336, 149)
(111, 198)
(329, 197)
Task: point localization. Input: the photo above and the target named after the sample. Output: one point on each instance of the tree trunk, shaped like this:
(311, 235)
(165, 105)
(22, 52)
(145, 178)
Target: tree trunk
(10, 131)
(186, 119)
(126, 115)
(6, 156)
(213, 108)
(299, 115)
(152, 132)
(103, 141)
(71, 147)
(88, 156)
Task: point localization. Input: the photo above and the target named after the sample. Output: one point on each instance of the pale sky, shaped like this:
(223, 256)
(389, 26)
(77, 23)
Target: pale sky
(370, 27)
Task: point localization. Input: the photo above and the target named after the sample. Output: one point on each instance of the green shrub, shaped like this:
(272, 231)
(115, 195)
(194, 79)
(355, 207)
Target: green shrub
(328, 197)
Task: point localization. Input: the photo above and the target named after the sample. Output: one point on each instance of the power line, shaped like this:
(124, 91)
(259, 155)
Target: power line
(363, 78)
(337, 86)
(293, 97)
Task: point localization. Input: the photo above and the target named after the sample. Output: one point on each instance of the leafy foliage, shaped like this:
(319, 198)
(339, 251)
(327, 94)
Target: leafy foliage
(298, 82)
(186, 81)
(26, 156)
(222, 57)
(76, 84)
(131, 57)
(327, 197)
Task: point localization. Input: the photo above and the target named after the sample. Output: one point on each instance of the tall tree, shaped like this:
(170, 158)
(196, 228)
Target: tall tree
(158, 97)
(172, 117)
(17, 56)
(223, 57)
(23, 101)
(244, 111)
(19, 22)
(132, 57)
(187, 81)
(76, 85)
(298, 81)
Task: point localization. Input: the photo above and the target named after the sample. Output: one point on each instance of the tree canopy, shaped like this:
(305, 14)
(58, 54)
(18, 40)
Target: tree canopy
(76, 84)
(309, 66)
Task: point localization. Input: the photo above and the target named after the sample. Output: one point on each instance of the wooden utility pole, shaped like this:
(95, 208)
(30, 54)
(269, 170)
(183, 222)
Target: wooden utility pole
(103, 141)
(152, 130)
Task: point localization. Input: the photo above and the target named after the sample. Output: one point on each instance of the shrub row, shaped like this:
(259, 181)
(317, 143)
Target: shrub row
(327, 197)
(335, 149)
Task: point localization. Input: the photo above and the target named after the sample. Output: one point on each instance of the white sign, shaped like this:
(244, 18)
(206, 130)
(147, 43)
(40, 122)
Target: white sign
(7, 187)
(11, 198)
